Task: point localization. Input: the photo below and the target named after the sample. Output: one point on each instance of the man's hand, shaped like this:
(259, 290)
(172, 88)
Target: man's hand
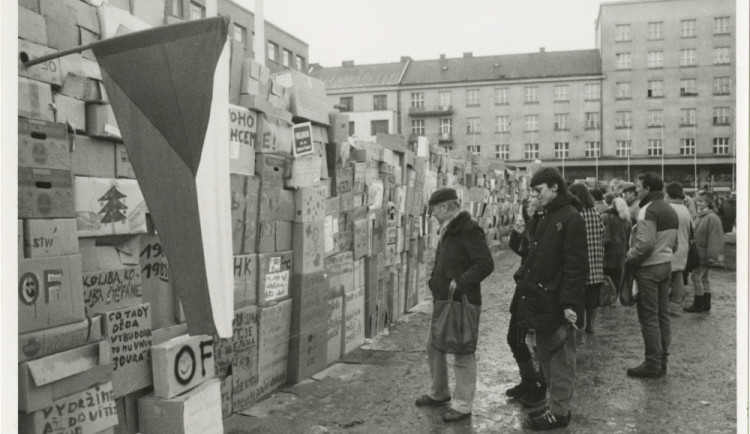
(454, 285)
(570, 316)
(519, 225)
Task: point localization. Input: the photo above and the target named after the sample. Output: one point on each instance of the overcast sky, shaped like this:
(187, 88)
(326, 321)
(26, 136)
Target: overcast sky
(376, 31)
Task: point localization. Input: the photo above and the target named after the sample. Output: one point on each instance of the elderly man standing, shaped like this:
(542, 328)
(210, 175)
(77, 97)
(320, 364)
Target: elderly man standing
(462, 261)
(652, 245)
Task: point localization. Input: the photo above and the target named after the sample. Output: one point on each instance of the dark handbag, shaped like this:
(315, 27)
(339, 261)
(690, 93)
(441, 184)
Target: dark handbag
(692, 259)
(455, 325)
(628, 286)
(607, 292)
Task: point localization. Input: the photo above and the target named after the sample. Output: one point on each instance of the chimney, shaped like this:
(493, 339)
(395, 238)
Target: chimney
(347, 63)
(468, 55)
(541, 49)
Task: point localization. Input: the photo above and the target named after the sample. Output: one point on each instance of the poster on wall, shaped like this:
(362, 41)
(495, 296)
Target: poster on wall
(302, 139)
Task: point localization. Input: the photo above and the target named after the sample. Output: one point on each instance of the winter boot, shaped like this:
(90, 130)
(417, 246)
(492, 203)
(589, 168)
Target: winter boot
(697, 305)
(706, 302)
(528, 378)
(535, 395)
(590, 318)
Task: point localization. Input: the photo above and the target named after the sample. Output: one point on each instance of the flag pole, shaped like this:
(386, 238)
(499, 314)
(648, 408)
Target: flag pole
(695, 158)
(57, 54)
(662, 151)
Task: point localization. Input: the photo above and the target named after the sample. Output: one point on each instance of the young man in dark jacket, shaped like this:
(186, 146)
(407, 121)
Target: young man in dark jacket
(551, 290)
(462, 261)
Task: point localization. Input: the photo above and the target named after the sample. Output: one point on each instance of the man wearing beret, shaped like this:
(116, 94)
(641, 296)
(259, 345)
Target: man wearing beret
(462, 261)
(551, 288)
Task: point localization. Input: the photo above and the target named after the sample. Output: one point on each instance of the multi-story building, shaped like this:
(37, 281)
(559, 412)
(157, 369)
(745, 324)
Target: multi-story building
(656, 94)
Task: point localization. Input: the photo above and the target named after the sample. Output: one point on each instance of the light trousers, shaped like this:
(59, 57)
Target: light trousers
(465, 371)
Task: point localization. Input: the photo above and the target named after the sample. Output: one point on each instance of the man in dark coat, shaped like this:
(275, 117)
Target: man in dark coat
(551, 290)
(462, 261)
(728, 213)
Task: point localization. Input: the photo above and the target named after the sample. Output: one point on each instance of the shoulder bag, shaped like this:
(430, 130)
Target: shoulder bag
(607, 292)
(455, 325)
(628, 286)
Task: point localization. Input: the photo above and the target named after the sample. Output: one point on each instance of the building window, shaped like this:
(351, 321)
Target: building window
(445, 99)
(721, 25)
(687, 28)
(472, 97)
(655, 118)
(654, 147)
(501, 95)
(351, 128)
(531, 123)
(379, 127)
(347, 102)
(380, 102)
(622, 32)
(417, 127)
(688, 57)
(622, 148)
(417, 100)
(197, 11)
(622, 120)
(655, 59)
(687, 87)
(561, 93)
(286, 58)
(446, 126)
(721, 116)
(502, 124)
(562, 150)
(721, 85)
(502, 151)
(177, 8)
(721, 56)
(593, 150)
(474, 149)
(240, 33)
(530, 94)
(592, 91)
(622, 90)
(300, 63)
(561, 122)
(687, 117)
(273, 51)
(656, 30)
(531, 151)
(721, 146)
(473, 126)
(655, 89)
(593, 121)
(687, 146)
(622, 61)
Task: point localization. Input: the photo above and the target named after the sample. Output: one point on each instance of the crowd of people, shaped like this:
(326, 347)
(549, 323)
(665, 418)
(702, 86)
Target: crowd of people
(572, 240)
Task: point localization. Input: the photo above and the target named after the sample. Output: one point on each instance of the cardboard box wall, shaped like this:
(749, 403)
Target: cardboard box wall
(273, 346)
(308, 96)
(94, 157)
(35, 100)
(49, 237)
(46, 72)
(157, 289)
(274, 273)
(111, 278)
(193, 355)
(195, 412)
(44, 193)
(42, 343)
(43, 145)
(238, 355)
(99, 206)
(89, 411)
(308, 342)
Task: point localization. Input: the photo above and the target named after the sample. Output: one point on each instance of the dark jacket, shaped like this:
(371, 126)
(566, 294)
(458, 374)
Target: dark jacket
(727, 213)
(463, 255)
(616, 238)
(555, 269)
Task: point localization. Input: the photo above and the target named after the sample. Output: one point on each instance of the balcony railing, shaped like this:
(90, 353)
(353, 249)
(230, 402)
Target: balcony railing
(431, 111)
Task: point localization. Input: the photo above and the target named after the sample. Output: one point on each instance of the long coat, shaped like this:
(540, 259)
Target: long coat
(709, 236)
(679, 258)
(594, 231)
(462, 254)
(615, 238)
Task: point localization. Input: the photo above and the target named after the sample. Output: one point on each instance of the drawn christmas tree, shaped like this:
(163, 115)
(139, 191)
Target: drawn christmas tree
(113, 208)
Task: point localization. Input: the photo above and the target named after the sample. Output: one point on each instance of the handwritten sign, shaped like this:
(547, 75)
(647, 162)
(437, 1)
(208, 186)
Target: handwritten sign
(335, 318)
(181, 364)
(273, 346)
(302, 139)
(88, 412)
(273, 276)
(111, 289)
(241, 353)
(129, 332)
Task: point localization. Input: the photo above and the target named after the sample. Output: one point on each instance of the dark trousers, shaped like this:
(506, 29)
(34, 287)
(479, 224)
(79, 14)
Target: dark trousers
(517, 341)
(615, 274)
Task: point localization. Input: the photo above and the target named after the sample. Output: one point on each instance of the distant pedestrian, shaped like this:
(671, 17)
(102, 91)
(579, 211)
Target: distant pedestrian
(727, 212)
(594, 231)
(598, 200)
(608, 198)
(462, 261)
(652, 244)
(631, 198)
(616, 239)
(690, 205)
(709, 238)
(676, 199)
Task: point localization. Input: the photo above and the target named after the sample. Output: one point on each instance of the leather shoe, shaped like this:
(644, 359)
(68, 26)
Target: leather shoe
(644, 371)
(455, 416)
(426, 401)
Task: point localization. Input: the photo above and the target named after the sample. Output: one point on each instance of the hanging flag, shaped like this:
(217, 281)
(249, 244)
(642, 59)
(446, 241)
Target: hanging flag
(166, 92)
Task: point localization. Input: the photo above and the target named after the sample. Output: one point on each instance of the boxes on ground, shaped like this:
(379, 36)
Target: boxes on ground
(44, 193)
(106, 206)
(195, 412)
(182, 363)
(273, 346)
(41, 343)
(274, 271)
(238, 356)
(340, 281)
(129, 332)
(87, 412)
(354, 311)
(309, 330)
(49, 292)
(43, 145)
(49, 237)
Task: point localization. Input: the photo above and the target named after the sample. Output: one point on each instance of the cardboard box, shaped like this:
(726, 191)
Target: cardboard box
(32, 26)
(81, 87)
(255, 80)
(274, 271)
(157, 289)
(273, 346)
(149, 11)
(101, 122)
(308, 247)
(335, 327)
(93, 157)
(308, 344)
(275, 135)
(286, 205)
(238, 355)
(127, 413)
(70, 111)
(354, 311)
(35, 100)
(49, 292)
(106, 206)
(225, 387)
(283, 236)
(279, 96)
(43, 381)
(361, 245)
(58, 339)
(238, 191)
(90, 411)
(310, 204)
(270, 169)
(46, 72)
(242, 140)
(308, 95)
(111, 280)
(269, 202)
(49, 237)
(245, 280)
(181, 364)
(129, 332)
(260, 104)
(87, 16)
(338, 131)
(266, 238)
(305, 172)
(195, 412)
(123, 168)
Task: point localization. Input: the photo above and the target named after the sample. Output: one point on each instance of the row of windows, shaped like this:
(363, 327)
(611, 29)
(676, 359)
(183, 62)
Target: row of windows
(721, 116)
(592, 92)
(687, 29)
(655, 88)
(688, 57)
(239, 33)
(593, 148)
